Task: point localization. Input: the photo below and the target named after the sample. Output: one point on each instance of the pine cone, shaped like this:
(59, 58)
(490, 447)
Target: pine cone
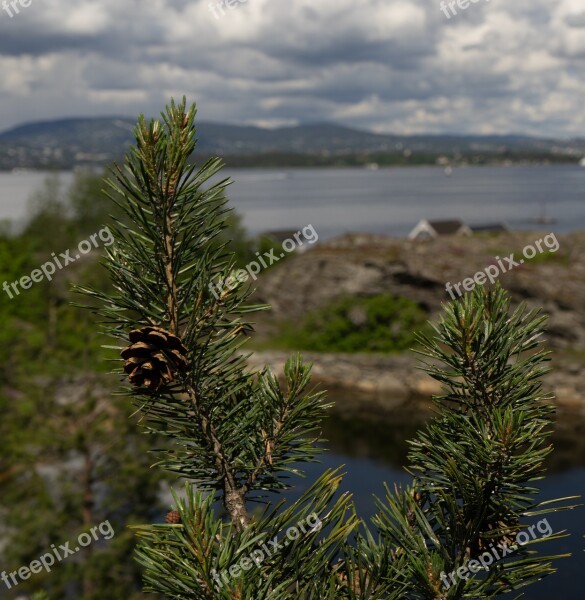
(153, 357)
(173, 518)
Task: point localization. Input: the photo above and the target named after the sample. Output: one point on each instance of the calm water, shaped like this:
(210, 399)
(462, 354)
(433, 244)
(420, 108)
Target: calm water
(392, 201)
(385, 201)
(16, 190)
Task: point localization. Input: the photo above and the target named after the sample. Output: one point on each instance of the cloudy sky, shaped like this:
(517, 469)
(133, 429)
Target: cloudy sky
(501, 66)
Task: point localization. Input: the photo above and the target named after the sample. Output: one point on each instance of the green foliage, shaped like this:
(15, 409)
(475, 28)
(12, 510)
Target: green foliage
(266, 244)
(55, 414)
(235, 434)
(89, 208)
(38, 326)
(558, 257)
(373, 324)
(39, 322)
(95, 469)
(49, 217)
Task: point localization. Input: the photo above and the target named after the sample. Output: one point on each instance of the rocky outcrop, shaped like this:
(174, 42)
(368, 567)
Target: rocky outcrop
(366, 265)
(371, 387)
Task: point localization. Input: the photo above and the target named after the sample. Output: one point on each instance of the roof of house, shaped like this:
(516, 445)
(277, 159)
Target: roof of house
(447, 227)
(452, 227)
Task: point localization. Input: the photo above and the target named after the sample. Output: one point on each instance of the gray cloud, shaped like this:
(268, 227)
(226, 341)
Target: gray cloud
(389, 65)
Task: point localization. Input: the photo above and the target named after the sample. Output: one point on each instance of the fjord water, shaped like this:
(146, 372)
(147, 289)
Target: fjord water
(18, 188)
(389, 201)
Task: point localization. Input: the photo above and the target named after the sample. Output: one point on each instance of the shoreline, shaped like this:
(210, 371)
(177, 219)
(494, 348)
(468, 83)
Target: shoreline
(393, 386)
(504, 164)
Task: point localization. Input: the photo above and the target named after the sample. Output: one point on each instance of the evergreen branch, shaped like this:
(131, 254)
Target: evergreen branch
(474, 464)
(234, 497)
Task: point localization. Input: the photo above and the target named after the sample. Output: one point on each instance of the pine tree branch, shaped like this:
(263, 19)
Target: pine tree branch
(271, 444)
(172, 306)
(233, 496)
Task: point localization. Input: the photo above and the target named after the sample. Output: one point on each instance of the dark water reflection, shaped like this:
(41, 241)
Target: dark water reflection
(374, 452)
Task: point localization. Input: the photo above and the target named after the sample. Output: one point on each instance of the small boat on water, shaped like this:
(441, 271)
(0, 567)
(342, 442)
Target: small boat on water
(582, 162)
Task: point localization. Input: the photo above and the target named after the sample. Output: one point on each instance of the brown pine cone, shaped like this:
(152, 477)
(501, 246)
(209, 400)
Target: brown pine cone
(153, 357)
(173, 518)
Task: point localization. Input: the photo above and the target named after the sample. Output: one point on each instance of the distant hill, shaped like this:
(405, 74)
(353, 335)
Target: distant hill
(67, 143)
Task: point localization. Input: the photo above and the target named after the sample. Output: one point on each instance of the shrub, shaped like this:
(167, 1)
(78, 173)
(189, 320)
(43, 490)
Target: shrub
(380, 323)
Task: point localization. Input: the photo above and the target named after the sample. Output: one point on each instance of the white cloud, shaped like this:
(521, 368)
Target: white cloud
(390, 65)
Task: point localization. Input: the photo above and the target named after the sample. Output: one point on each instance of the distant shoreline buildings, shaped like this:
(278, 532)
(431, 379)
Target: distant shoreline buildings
(426, 230)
